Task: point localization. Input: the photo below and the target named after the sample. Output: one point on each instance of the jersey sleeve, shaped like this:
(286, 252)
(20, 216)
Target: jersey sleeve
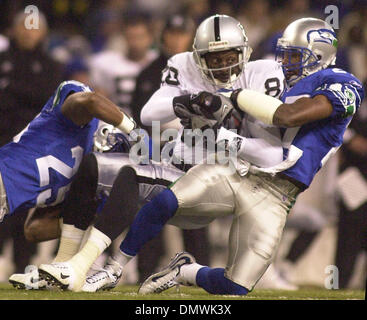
(170, 74)
(53, 106)
(64, 90)
(344, 92)
(159, 106)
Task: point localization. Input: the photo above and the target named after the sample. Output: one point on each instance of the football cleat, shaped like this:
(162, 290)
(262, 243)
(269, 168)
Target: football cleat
(62, 275)
(168, 277)
(28, 281)
(105, 279)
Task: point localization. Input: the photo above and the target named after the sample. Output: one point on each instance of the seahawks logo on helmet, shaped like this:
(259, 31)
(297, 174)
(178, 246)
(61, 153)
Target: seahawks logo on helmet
(322, 35)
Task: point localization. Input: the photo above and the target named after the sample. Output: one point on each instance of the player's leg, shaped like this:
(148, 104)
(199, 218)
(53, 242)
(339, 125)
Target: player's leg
(263, 204)
(100, 239)
(77, 211)
(95, 177)
(193, 195)
(148, 181)
(205, 193)
(79, 208)
(254, 237)
(161, 209)
(43, 224)
(116, 215)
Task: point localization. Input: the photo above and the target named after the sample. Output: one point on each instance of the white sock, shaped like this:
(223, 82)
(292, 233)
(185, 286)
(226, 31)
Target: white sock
(95, 245)
(70, 240)
(188, 273)
(121, 258)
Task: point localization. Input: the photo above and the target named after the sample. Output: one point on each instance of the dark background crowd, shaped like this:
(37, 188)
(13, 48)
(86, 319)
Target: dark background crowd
(119, 47)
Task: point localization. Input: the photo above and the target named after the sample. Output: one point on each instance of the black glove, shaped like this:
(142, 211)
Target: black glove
(187, 108)
(217, 107)
(187, 105)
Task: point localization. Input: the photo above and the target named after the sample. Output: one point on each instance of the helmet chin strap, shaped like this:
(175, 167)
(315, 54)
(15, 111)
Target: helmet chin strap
(227, 84)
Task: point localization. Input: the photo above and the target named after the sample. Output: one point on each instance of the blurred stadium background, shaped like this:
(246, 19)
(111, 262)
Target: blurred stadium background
(327, 227)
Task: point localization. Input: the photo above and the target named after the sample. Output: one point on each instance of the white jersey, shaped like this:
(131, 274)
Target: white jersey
(182, 76)
(264, 76)
(116, 75)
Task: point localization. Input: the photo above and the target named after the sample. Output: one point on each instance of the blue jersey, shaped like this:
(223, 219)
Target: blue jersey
(38, 166)
(318, 140)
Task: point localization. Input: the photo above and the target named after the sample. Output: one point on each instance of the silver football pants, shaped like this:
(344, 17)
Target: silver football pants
(259, 205)
(152, 178)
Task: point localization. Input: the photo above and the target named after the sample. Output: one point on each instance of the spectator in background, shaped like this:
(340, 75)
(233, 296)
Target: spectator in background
(176, 37)
(77, 70)
(113, 73)
(104, 24)
(224, 7)
(28, 77)
(353, 40)
(254, 16)
(281, 15)
(24, 66)
(197, 10)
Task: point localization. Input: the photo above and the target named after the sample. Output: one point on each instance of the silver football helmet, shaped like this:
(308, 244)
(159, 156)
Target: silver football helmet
(221, 33)
(107, 138)
(307, 46)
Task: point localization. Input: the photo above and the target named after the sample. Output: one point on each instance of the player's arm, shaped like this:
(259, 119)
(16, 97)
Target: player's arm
(160, 106)
(82, 107)
(263, 152)
(273, 111)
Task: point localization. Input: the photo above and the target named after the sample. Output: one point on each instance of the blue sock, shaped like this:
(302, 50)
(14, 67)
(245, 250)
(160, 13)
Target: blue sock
(149, 221)
(214, 282)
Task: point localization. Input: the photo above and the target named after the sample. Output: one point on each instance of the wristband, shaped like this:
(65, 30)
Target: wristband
(258, 105)
(127, 124)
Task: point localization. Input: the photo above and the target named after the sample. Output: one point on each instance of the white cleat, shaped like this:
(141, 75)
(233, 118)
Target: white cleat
(167, 278)
(62, 275)
(28, 281)
(105, 279)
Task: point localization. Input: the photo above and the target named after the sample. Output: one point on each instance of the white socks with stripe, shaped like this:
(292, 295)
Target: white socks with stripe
(70, 241)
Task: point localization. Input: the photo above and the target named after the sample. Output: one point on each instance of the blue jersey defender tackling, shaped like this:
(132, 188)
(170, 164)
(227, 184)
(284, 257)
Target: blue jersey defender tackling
(313, 114)
(37, 167)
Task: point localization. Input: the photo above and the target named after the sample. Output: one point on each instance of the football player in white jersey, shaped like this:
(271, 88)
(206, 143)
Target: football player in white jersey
(313, 112)
(186, 75)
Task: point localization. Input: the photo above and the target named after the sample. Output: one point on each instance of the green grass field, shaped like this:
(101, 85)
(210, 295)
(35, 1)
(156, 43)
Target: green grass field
(7, 292)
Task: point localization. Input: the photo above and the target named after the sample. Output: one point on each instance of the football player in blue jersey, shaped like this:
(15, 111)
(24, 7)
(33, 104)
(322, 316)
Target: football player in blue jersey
(37, 167)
